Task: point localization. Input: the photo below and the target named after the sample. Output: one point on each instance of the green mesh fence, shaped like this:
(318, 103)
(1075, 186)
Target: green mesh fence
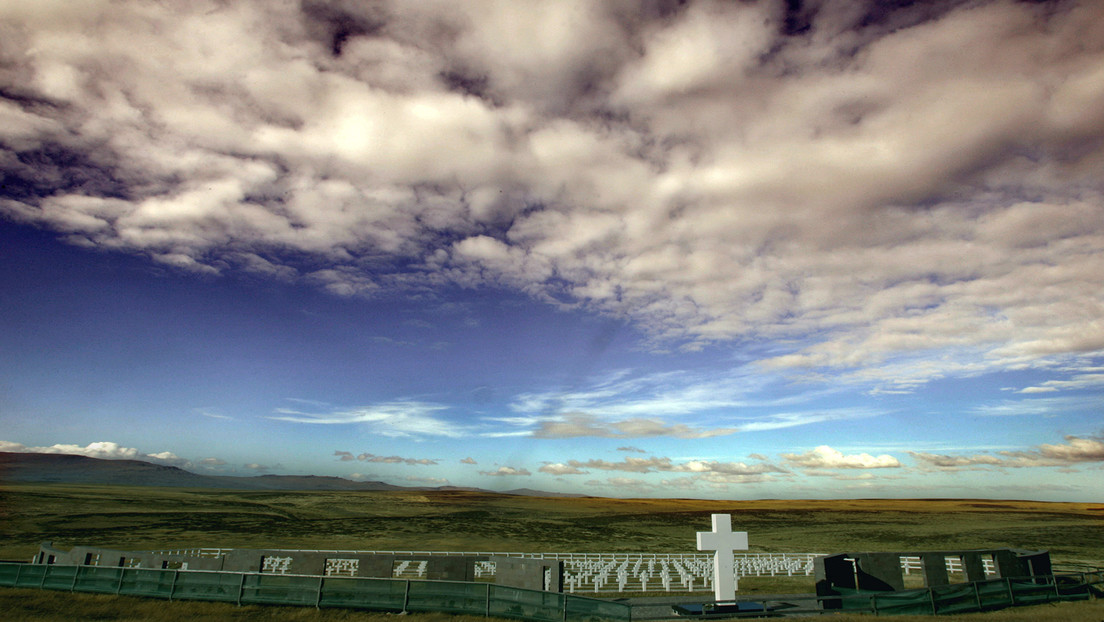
(216, 586)
(507, 602)
(377, 594)
(969, 597)
(447, 596)
(143, 582)
(273, 589)
(484, 599)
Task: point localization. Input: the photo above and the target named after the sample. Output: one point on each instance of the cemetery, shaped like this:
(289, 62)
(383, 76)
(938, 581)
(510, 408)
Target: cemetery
(571, 586)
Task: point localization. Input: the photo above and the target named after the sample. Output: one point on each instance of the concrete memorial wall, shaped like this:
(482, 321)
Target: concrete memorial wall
(883, 572)
(513, 572)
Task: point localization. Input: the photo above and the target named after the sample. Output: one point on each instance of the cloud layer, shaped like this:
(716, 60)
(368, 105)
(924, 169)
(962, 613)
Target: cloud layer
(878, 184)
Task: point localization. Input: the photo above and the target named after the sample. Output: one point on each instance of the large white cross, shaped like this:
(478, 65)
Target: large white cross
(724, 541)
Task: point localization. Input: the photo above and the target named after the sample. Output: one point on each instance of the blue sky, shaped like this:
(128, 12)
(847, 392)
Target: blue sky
(732, 250)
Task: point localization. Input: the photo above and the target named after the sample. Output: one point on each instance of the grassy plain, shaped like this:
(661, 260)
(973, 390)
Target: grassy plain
(141, 518)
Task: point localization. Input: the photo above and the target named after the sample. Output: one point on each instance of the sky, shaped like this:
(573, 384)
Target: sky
(739, 250)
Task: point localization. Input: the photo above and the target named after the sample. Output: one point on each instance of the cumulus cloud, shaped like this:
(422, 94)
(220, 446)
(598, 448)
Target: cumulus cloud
(506, 471)
(824, 457)
(1075, 450)
(168, 457)
(559, 468)
(878, 185)
(468, 460)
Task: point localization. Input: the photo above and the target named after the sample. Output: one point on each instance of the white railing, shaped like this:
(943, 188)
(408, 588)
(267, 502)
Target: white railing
(910, 563)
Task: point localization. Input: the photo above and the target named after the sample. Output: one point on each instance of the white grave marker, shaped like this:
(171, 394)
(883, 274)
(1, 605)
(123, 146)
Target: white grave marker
(723, 541)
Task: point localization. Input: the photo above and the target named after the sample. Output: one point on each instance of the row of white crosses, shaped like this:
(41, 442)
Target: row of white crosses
(637, 572)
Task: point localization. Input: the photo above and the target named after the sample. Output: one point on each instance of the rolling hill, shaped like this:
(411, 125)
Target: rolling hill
(33, 468)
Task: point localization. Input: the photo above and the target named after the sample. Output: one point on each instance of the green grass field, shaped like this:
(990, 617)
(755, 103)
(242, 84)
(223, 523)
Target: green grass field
(151, 518)
(138, 518)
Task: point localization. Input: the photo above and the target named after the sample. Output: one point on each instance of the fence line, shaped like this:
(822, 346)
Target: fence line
(592, 573)
(398, 595)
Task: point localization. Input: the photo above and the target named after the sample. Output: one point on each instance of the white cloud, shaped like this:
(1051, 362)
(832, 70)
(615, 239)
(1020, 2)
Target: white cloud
(168, 457)
(792, 419)
(1076, 450)
(1077, 381)
(824, 457)
(366, 457)
(428, 481)
(558, 468)
(579, 424)
(945, 461)
(709, 471)
(506, 471)
(402, 418)
(1033, 406)
(915, 193)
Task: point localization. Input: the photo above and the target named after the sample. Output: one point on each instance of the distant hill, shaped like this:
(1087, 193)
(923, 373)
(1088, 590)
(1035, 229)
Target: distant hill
(69, 469)
(31, 468)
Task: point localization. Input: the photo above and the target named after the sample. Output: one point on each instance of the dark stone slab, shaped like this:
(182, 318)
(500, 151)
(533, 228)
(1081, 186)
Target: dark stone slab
(974, 567)
(935, 569)
(879, 571)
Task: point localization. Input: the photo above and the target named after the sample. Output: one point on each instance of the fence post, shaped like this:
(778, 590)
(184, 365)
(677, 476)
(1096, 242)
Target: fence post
(977, 594)
(241, 588)
(18, 570)
(318, 601)
(406, 596)
(874, 603)
(1057, 593)
(172, 587)
(76, 573)
(119, 586)
(45, 573)
(1011, 593)
(487, 604)
(931, 597)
